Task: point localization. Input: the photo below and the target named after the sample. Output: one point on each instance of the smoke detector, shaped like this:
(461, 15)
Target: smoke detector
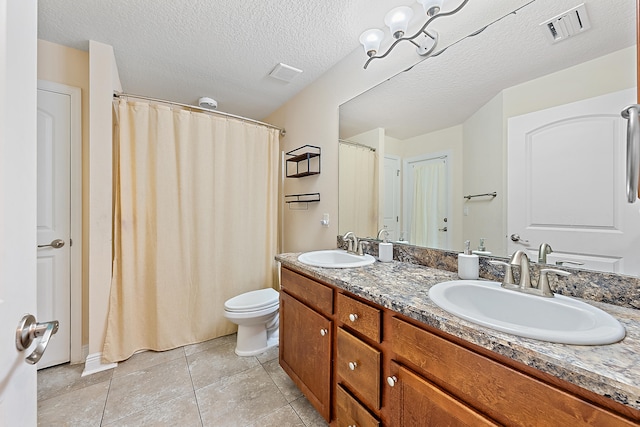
(568, 24)
(209, 103)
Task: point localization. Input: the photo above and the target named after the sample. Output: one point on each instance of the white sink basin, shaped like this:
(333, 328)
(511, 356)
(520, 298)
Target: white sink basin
(336, 258)
(560, 319)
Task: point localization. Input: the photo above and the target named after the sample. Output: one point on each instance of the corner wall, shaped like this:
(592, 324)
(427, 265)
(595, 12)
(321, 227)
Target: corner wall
(64, 65)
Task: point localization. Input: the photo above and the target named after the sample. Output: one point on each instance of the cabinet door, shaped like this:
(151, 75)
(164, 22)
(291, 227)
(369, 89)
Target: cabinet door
(414, 402)
(305, 351)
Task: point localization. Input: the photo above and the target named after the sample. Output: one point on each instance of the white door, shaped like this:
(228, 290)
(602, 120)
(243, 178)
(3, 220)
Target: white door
(567, 187)
(54, 220)
(426, 198)
(391, 214)
(18, 38)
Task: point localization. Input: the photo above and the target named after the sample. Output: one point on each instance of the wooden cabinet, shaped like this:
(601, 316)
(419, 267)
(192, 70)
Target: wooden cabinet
(305, 348)
(360, 317)
(358, 368)
(415, 402)
(506, 395)
(390, 370)
(349, 412)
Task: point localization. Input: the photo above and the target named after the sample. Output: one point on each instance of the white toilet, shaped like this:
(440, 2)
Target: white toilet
(256, 314)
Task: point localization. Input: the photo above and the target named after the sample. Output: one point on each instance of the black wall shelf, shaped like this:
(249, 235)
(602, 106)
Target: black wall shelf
(303, 161)
(302, 198)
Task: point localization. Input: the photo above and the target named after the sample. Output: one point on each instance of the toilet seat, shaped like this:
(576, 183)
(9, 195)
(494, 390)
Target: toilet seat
(262, 299)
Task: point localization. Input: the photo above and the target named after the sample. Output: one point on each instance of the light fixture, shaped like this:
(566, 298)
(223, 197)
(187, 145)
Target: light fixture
(397, 20)
(431, 7)
(371, 39)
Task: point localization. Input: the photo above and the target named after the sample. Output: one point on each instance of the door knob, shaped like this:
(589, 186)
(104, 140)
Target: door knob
(55, 244)
(516, 238)
(28, 330)
(443, 229)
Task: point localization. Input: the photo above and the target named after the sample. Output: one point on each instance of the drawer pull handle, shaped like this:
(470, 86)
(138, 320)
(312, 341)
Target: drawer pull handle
(353, 317)
(392, 381)
(324, 332)
(353, 365)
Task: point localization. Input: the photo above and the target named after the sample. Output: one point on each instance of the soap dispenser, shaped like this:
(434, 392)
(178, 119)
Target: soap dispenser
(385, 249)
(468, 263)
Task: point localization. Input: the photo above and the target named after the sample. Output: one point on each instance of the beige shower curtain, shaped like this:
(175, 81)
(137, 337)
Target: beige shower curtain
(429, 203)
(195, 224)
(358, 198)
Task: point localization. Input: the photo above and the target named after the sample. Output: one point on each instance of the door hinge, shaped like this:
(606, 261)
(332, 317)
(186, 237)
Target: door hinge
(397, 172)
(70, 242)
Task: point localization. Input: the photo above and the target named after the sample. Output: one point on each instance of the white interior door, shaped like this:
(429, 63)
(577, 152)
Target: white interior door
(391, 214)
(54, 220)
(567, 188)
(426, 206)
(18, 41)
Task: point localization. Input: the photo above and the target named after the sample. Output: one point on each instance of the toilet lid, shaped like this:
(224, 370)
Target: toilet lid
(253, 300)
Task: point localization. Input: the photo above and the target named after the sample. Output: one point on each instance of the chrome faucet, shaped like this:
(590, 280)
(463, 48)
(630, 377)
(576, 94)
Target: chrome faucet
(352, 245)
(545, 249)
(520, 258)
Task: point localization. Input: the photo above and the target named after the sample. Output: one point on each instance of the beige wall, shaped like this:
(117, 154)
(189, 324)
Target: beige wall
(483, 173)
(311, 117)
(64, 65)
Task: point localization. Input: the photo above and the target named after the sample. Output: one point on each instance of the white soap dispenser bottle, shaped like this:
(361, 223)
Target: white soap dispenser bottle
(385, 249)
(468, 263)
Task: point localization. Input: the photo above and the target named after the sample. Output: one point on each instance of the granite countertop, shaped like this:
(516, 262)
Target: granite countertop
(609, 370)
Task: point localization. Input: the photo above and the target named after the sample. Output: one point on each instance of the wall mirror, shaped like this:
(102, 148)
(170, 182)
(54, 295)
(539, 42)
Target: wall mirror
(413, 148)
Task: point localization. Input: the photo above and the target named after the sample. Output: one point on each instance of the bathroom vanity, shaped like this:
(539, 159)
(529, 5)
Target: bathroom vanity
(367, 347)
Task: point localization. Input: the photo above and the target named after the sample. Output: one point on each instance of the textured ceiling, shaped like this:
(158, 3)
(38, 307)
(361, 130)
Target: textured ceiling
(181, 50)
(446, 90)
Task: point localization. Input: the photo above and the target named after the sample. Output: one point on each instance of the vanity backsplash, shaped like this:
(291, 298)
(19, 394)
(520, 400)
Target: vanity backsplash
(609, 288)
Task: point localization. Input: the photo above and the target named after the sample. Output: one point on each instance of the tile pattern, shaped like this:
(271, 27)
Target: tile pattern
(612, 371)
(199, 385)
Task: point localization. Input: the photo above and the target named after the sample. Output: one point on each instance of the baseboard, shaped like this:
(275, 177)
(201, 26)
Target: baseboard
(94, 364)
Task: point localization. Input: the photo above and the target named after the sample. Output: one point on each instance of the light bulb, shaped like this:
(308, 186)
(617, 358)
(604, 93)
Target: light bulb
(398, 20)
(371, 39)
(431, 7)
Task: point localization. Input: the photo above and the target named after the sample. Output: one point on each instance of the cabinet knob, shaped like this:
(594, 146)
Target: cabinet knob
(324, 332)
(353, 365)
(353, 317)
(392, 381)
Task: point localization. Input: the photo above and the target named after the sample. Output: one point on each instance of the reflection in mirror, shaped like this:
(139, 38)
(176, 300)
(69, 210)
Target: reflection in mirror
(464, 105)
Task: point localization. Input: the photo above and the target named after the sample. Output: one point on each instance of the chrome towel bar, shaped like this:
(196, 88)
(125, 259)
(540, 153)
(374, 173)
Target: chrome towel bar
(633, 150)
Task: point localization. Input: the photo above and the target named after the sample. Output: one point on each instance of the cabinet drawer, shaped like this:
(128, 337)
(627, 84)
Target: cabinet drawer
(505, 394)
(316, 295)
(359, 316)
(358, 366)
(417, 402)
(350, 412)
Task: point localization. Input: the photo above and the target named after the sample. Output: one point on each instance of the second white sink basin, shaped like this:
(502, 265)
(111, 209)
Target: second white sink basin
(335, 258)
(560, 319)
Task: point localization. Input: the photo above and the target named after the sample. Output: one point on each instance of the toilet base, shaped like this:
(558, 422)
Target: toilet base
(252, 340)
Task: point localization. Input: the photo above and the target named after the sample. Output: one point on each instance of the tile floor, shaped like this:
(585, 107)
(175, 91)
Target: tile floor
(202, 384)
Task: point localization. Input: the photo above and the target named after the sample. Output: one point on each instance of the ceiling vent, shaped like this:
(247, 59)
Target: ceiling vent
(570, 23)
(284, 72)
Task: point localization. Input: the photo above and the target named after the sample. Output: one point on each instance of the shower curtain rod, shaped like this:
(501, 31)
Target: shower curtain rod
(357, 144)
(194, 107)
